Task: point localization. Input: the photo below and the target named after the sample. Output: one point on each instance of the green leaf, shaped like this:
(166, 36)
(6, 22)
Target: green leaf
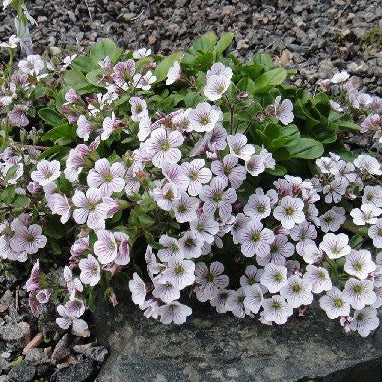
(83, 64)
(62, 134)
(277, 171)
(348, 125)
(8, 194)
(104, 48)
(205, 43)
(269, 79)
(94, 76)
(53, 151)
(21, 202)
(75, 79)
(263, 59)
(306, 148)
(163, 67)
(223, 43)
(51, 117)
(11, 173)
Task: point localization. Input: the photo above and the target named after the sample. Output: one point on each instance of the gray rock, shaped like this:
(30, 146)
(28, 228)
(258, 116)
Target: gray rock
(77, 373)
(61, 350)
(4, 365)
(97, 353)
(219, 347)
(37, 356)
(22, 373)
(14, 333)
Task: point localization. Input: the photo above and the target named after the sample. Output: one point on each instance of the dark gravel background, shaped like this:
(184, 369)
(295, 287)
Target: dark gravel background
(314, 36)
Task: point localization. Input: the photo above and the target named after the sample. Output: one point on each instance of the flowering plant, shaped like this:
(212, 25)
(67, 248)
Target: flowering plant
(192, 175)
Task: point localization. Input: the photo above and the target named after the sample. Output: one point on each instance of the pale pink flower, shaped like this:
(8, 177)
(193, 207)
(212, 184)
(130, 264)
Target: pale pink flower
(28, 239)
(79, 326)
(90, 270)
(46, 172)
(197, 175)
(204, 117)
(210, 280)
(340, 77)
(138, 289)
(335, 246)
(90, 208)
(274, 277)
(170, 250)
(319, 278)
(334, 304)
(359, 293)
(205, 226)
(215, 197)
(283, 111)
(368, 164)
(161, 147)
(332, 220)
(59, 204)
(174, 73)
(251, 276)
(216, 86)
(368, 214)
(32, 65)
(123, 73)
(375, 233)
(185, 208)
(32, 284)
(239, 147)
(359, 263)
(84, 128)
(253, 298)
(145, 81)
(297, 292)
(166, 291)
(258, 207)
(108, 178)
(228, 169)
(191, 245)
(138, 108)
(364, 321)
(179, 272)
(141, 53)
(174, 312)
(73, 284)
(276, 310)
(255, 239)
(289, 212)
(105, 248)
(18, 116)
(372, 195)
(280, 249)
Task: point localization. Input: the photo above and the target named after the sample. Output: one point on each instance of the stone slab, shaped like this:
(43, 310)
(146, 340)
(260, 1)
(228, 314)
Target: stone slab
(219, 347)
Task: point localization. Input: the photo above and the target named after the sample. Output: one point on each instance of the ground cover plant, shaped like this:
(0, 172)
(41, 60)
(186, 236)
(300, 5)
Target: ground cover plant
(191, 176)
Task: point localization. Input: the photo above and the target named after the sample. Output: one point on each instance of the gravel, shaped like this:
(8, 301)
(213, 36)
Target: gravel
(317, 37)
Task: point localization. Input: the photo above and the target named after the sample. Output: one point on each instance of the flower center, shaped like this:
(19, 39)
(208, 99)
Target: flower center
(289, 211)
(108, 178)
(296, 288)
(182, 208)
(278, 277)
(338, 303)
(193, 175)
(30, 238)
(321, 275)
(256, 236)
(189, 243)
(357, 266)
(357, 289)
(276, 305)
(178, 270)
(261, 208)
(218, 196)
(210, 278)
(227, 171)
(204, 120)
(165, 146)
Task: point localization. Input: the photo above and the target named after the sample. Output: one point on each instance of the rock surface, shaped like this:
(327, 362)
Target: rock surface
(212, 347)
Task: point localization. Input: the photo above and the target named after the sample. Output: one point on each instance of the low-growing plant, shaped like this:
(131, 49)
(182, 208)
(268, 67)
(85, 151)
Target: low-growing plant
(195, 175)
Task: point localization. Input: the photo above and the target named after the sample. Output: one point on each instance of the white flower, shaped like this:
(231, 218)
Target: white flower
(12, 42)
(108, 178)
(32, 65)
(332, 220)
(174, 73)
(368, 164)
(375, 233)
(258, 207)
(185, 208)
(253, 298)
(283, 110)
(289, 211)
(239, 147)
(215, 197)
(144, 82)
(166, 291)
(359, 263)
(274, 277)
(170, 250)
(197, 175)
(228, 169)
(235, 303)
(79, 326)
(304, 234)
(368, 214)
(216, 86)
(73, 284)
(175, 175)
(255, 239)
(364, 321)
(90, 270)
(340, 77)
(335, 246)
(205, 226)
(28, 239)
(46, 172)
(218, 69)
(210, 280)
(277, 310)
(359, 293)
(138, 108)
(141, 53)
(240, 222)
(91, 209)
(319, 278)
(105, 248)
(174, 312)
(297, 292)
(165, 194)
(220, 301)
(18, 116)
(191, 245)
(280, 249)
(335, 190)
(162, 147)
(138, 289)
(84, 128)
(334, 304)
(59, 204)
(180, 273)
(251, 276)
(204, 117)
(373, 195)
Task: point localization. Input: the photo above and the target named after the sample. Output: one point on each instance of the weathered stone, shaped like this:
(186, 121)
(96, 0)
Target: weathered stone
(77, 373)
(61, 350)
(212, 347)
(15, 333)
(97, 353)
(22, 373)
(37, 356)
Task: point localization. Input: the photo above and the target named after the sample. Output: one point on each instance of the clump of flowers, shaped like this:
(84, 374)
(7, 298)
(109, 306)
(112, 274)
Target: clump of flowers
(195, 176)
